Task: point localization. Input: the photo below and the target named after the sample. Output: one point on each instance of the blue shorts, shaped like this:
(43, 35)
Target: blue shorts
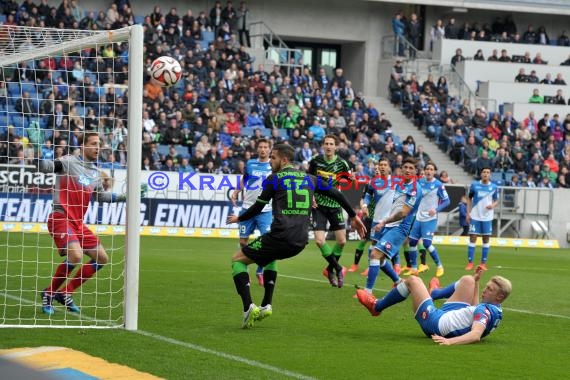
(481, 227)
(423, 230)
(390, 239)
(375, 235)
(262, 222)
(428, 315)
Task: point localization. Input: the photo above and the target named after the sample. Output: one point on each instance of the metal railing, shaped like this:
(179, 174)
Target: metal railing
(459, 88)
(276, 50)
(449, 218)
(398, 46)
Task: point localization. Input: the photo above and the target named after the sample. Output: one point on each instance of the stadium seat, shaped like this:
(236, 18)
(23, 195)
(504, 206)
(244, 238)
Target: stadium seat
(182, 150)
(28, 87)
(208, 36)
(204, 45)
(497, 178)
(44, 122)
(162, 149)
(80, 110)
(13, 89)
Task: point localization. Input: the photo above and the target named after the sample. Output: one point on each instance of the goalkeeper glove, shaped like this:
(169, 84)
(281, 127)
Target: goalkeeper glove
(144, 190)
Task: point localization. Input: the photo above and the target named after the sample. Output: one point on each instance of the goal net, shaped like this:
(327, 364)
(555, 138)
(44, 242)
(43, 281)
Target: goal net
(56, 85)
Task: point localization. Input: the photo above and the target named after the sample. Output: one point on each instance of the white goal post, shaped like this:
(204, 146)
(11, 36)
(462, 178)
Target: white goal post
(36, 65)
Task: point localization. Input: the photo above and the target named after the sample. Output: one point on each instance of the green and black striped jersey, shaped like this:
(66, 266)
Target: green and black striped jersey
(328, 171)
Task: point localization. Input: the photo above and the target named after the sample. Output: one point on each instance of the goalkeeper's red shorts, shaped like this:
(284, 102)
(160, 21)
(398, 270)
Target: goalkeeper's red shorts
(65, 231)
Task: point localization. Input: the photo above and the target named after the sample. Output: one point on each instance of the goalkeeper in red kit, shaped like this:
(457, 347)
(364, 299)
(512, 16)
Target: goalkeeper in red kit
(78, 180)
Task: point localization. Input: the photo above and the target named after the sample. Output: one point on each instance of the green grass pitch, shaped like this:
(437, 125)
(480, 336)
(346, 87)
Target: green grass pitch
(190, 317)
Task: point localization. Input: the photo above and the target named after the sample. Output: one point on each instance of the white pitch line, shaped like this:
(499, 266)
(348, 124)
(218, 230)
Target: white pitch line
(235, 358)
(541, 314)
(532, 269)
(195, 347)
(530, 312)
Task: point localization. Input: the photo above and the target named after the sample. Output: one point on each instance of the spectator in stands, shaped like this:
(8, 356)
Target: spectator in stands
(494, 130)
(532, 78)
(479, 123)
(242, 21)
(502, 161)
(422, 157)
(395, 87)
(519, 164)
(479, 56)
(559, 97)
(563, 39)
(536, 97)
(445, 178)
(538, 59)
(525, 58)
(484, 161)
(559, 80)
(399, 29)
(552, 165)
(542, 36)
(437, 32)
(458, 57)
(504, 56)
(432, 124)
(530, 36)
(563, 181)
(457, 146)
(185, 166)
(521, 76)
(530, 123)
(414, 32)
(547, 79)
(494, 56)
(451, 29)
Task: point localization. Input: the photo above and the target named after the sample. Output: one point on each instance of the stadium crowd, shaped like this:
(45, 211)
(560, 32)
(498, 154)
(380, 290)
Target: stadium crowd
(210, 120)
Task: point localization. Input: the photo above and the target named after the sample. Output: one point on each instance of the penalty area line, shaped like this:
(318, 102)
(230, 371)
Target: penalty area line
(176, 342)
(224, 355)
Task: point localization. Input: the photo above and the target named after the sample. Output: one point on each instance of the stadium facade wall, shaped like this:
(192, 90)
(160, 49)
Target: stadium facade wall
(445, 49)
(476, 71)
(507, 92)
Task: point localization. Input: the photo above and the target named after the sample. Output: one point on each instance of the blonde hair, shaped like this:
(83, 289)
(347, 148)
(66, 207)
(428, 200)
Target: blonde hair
(505, 286)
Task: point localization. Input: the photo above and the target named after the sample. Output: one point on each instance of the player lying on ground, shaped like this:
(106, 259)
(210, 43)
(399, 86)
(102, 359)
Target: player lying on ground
(292, 192)
(462, 319)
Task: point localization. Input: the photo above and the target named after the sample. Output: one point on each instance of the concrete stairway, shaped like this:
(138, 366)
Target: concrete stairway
(404, 127)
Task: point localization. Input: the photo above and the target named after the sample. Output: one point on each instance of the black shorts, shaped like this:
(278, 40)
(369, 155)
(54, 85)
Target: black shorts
(265, 249)
(368, 224)
(334, 215)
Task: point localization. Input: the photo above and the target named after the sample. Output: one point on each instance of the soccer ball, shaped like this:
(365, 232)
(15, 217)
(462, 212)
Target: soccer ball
(165, 71)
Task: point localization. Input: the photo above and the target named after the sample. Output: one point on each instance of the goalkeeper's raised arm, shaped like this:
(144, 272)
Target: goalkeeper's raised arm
(80, 174)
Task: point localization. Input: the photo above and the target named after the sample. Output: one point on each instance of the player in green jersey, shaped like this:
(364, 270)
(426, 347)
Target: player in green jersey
(330, 168)
(291, 192)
